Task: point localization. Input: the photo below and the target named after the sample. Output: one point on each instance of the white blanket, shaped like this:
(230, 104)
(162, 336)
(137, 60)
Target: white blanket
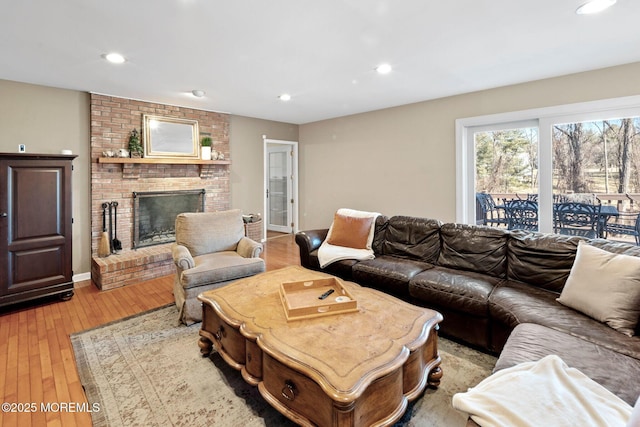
(542, 393)
(328, 253)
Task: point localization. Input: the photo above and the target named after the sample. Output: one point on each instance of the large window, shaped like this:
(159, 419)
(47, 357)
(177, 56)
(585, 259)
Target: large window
(583, 152)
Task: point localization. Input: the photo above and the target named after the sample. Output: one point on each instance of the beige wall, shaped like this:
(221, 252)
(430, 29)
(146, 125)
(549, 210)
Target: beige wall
(48, 120)
(247, 166)
(402, 160)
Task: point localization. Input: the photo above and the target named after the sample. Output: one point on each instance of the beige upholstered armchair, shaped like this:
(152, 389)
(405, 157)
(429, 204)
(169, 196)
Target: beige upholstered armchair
(211, 250)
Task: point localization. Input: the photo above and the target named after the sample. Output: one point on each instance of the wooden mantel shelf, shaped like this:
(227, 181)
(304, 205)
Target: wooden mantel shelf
(131, 168)
(172, 161)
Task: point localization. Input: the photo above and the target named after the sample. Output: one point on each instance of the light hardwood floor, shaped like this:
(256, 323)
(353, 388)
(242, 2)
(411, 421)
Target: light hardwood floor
(36, 358)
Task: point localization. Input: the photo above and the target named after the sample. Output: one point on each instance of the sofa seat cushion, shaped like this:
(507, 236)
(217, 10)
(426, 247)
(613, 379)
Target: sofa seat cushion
(388, 273)
(513, 303)
(617, 372)
(220, 267)
(342, 268)
(463, 291)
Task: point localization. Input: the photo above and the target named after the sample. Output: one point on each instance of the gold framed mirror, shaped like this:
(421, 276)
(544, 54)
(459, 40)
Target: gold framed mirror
(170, 137)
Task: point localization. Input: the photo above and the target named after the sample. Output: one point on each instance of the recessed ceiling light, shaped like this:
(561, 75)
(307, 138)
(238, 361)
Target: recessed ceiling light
(383, 69)
(114, 58)
(284, 97)
(198, 93)
(594, 6)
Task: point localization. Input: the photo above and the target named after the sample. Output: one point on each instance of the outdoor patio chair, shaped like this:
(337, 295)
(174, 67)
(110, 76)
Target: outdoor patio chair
(521, 214)
(529, 196)
(492, 214)
(588, 198)
(624, 224)
(577, 219)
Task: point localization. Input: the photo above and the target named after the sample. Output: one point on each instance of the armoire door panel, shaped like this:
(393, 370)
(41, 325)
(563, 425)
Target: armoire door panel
(37, 188)
(36, 268)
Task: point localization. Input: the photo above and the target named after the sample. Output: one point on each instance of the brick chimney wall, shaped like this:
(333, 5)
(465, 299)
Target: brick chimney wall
(112, 120)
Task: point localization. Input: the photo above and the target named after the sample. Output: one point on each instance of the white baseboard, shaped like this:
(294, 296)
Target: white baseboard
(81, 277)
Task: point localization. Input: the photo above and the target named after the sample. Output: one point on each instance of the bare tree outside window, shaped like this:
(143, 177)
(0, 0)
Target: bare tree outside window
(597, 157)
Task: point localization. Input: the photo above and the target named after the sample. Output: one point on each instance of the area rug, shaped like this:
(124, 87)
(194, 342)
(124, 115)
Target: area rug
(147, 370)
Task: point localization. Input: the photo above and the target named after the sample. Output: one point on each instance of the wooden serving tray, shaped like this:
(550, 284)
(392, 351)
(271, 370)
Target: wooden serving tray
(300, 299)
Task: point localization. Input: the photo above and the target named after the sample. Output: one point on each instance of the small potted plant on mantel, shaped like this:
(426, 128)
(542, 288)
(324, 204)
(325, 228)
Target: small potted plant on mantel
(205, 152)
(135, 148)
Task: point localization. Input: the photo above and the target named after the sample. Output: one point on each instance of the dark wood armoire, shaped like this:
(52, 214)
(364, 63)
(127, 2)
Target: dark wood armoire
(35, 227)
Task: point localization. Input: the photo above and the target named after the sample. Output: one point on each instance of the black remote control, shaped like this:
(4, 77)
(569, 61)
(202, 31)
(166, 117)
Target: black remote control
(326, 294)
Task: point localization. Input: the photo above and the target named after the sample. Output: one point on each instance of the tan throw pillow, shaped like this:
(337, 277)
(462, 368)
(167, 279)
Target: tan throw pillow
(604, 286)
(350, 232)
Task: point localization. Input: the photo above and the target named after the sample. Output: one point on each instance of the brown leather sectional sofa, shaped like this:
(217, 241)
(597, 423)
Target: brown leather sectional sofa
(487, 282)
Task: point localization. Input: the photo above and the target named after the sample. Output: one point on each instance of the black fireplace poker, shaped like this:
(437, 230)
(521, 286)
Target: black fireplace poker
(117, 244)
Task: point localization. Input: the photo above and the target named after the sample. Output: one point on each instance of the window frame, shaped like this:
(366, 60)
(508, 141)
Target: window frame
(544, 119)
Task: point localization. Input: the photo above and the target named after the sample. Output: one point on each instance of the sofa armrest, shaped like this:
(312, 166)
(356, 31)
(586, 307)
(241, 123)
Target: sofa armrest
(182, 257)
(308, 241)
(249, 248)
(311, 239)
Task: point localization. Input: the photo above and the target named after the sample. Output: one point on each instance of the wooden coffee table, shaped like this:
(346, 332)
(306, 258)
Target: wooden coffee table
(351, 369)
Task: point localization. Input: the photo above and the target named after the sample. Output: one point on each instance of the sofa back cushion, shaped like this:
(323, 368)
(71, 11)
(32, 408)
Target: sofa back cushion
(207, 232)
(539, 259)
(413, 238)
(379, 234)
(616, 247)
(474, 248)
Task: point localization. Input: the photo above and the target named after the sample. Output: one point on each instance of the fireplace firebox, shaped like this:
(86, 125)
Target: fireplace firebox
(154, 214)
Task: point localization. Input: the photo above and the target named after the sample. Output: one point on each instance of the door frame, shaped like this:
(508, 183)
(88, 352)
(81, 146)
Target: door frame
(294, 180)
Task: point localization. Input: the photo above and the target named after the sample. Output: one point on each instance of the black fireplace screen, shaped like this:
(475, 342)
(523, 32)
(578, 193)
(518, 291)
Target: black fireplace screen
(154, 214)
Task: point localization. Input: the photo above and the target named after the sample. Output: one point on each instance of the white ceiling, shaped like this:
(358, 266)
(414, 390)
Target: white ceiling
(244, 53)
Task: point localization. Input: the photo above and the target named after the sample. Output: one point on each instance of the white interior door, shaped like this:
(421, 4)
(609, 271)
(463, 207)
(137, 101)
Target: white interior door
(280, 183)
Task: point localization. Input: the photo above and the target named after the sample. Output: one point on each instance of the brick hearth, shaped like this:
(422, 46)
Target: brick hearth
(131, 267)
(112, 120)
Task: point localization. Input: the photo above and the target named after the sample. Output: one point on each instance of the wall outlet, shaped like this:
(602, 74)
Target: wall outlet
(22, 148)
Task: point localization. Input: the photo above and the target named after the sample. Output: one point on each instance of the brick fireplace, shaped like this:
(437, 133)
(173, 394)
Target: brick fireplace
(112, 120)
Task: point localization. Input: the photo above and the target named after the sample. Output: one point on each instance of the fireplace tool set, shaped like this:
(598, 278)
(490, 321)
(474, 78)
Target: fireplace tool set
(109, 243)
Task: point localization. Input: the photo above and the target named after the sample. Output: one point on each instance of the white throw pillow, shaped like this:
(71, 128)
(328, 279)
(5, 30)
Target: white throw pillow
(605, 286)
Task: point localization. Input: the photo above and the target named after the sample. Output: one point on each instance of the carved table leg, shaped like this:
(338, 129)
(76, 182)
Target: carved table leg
(434, 377)
(206, 346)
